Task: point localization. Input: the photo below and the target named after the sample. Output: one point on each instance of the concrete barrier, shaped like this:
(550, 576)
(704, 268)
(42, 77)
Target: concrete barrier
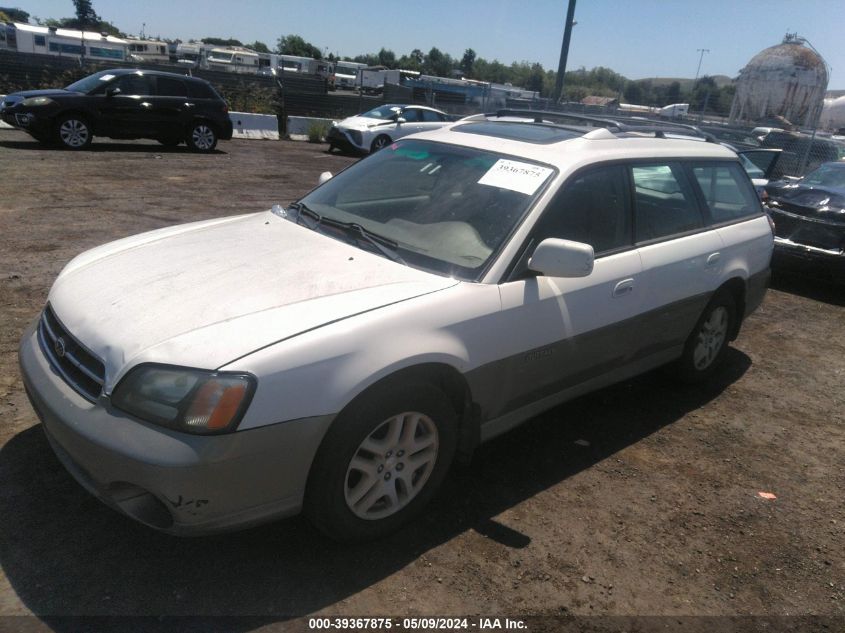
(261, 126)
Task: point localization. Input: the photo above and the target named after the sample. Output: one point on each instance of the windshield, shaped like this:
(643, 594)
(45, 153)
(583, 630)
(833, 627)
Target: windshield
(216, 56)
(383, 112)
(90, 83)
(447, 209)
(831, 175)
(345, 70)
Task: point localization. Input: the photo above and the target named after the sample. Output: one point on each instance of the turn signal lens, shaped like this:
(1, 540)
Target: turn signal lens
(215, 405)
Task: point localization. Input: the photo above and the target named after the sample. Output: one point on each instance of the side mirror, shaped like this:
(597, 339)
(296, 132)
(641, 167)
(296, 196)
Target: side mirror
(562, 258)
(324, 177)
(112, 91)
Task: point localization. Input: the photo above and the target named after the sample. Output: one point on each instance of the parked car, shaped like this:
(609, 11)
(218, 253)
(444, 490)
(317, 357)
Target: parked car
(809, 215)
(379, 127)
(123, 104)
(335, 355)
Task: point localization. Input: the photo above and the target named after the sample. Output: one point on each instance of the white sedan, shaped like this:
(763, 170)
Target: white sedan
(378, 128)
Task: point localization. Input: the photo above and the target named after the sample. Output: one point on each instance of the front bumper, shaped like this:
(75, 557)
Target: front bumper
(808, 258)
(343, 140)
(175, 482)
(37, 124)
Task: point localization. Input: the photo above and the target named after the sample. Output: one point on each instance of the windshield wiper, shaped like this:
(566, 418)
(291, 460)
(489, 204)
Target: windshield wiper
(300, 208)
(383, 245)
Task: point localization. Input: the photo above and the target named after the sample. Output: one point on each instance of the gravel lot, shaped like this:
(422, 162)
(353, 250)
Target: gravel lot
(655, 512)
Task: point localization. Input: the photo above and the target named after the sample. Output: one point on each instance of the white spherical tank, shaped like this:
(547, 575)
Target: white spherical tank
(833, 114)
(787, 80)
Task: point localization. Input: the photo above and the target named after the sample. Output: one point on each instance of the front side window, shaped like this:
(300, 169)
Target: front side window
(593, 208)
(727, 192)
(664, 202)
(447, 209)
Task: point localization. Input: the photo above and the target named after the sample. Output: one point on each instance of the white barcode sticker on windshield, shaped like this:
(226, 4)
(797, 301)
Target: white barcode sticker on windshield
(511, 174)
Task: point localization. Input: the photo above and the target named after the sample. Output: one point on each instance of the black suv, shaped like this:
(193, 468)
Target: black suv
(123, 104)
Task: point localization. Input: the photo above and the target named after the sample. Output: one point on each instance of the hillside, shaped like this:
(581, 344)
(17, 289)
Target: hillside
(686, 84)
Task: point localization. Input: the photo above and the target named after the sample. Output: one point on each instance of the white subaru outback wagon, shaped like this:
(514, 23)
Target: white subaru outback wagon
(334, 356)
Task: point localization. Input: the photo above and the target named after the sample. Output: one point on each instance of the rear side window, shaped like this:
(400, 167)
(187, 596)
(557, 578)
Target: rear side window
(593, 209)
(665, 203)
(134, 85)
(199, 90)
(727, 192)
(170, 87)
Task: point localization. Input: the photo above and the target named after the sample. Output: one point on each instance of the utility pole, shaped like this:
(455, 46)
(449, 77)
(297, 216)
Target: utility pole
(700, 57)
(564, 50)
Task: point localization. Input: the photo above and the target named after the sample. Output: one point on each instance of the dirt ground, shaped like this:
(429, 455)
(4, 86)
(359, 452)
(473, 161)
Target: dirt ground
(641, 499)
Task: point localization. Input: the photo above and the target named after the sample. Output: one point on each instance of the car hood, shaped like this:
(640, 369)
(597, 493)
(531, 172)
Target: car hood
(205, 294)
(52, 92)
(364, 122)
(823, 203)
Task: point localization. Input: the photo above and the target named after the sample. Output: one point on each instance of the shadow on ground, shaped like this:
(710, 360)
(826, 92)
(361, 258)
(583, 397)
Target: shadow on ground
(809, 282)
(66, 554)
(106, 147)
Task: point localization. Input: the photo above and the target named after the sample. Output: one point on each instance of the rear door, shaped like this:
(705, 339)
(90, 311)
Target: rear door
(172, 109)
(681, 255)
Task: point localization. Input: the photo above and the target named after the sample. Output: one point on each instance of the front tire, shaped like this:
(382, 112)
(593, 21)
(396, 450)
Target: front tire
(202, 137)
(706, 346)
(73, 132)
(381, 462)
(380, 142)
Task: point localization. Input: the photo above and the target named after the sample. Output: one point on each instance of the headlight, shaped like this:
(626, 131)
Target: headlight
(190, 400)
(36, 101)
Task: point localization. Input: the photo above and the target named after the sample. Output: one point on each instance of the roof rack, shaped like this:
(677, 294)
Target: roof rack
(658, 128)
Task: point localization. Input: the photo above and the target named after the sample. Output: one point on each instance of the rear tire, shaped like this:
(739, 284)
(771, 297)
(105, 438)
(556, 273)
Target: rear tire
(381, 461)
(202, 137)
(73, 132)
(706, 346)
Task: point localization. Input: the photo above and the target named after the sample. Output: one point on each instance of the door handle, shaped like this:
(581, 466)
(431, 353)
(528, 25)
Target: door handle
(713, 259)
(146, 104)
(190, 105)
(624, 287)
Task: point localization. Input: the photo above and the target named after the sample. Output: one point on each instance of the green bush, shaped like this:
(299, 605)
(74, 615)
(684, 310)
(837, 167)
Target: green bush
(317, 131)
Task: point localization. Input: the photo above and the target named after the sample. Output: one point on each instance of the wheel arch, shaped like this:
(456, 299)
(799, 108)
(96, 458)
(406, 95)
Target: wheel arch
(736, 287)
(447, 379)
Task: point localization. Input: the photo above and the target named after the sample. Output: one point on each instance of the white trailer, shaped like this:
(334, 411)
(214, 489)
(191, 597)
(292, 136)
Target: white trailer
(345, 75)
(44, 40)
(154, 51)
(233, 59)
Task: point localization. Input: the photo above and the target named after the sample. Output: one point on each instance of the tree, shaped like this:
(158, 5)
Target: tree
(259, 47)
(296, 45)
(219, 41)
(387, 58)
(438, 63)
(467, 62)
(86, 18)
(14, 15)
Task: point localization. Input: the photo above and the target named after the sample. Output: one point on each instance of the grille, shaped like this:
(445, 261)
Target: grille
(80, 369)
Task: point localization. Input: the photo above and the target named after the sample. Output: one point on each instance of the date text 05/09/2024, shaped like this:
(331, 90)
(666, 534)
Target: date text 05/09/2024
(415, 624)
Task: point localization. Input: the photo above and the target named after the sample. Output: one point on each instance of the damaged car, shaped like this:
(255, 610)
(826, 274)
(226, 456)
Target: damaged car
(809, 216)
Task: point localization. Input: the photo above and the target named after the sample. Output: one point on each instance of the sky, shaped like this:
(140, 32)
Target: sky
(636, 38)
